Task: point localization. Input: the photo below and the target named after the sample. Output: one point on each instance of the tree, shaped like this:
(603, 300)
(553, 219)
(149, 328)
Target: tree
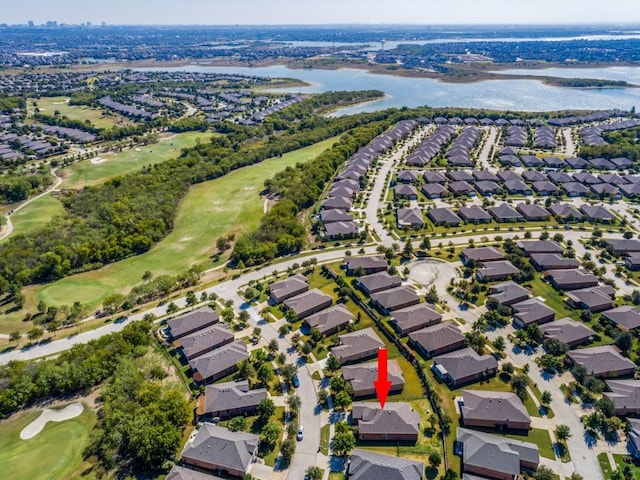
(172, 308)
(562, 432)
(576, 476)
(307, 348)
(266, 408)
(238, 424)
(265, 373)
(624, 341)
(341, 400)
(314, 473)
(343, 443)
(191, 298)
(546, 397)
(287, 449)
(273, 346)
(35, 334)
(270, 435)
(294, 403)
(499, 344)
(544, 473)
(425, 244)
(323, 397)
(333, 364)
(146, 276)
(432, 295)
(435, 459)
(519, 384)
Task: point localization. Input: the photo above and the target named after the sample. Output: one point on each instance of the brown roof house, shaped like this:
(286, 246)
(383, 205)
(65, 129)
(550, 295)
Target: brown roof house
(308, 303)
(330, 320)
(493, 271)
(393, 299)
(571, 279)
(531, 311)
(367, 265)
(191, 322)
(625, 395)
(539, 246)
(366, 465)
(357, 346)
(603, 361)
(437, 339)
(182, 473)
(397, 422)
(508, 293)
(410, 218)
(204, 341)
(568, 331)
(625, 317)
(287, 288)
(552, 261)
(230, 399)
(410, 319)
(219, 363)
(362, 376)
(481, 254)
(378, 282)
(464, 366)
(594, 299)
(217, 449)
(489, 409)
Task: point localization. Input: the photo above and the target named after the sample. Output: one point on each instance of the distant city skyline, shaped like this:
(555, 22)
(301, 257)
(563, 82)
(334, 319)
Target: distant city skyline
(281, 12)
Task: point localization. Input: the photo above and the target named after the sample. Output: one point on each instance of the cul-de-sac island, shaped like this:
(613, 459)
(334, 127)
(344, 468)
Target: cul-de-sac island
(319, 253)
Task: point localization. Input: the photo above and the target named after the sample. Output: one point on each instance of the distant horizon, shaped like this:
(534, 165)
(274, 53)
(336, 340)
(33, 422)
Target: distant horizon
(351, 24)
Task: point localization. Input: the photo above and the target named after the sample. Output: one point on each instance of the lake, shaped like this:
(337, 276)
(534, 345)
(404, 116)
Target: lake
(521, 95)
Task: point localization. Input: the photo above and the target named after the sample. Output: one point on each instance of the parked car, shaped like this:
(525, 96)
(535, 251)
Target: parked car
(300, 433)
(296, 381)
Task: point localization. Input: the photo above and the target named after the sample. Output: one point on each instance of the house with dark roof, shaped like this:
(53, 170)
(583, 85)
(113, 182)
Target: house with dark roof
(410, 218)
(340, 203)
(361, 377)
(508, 176)
(625, 396)
(366, 265)
(494, 271)
(544, 188)
(289, 287)
(377, 282)
(575, 189)
(487, 188)
(625, 317)
(181, 473)
(331, 216)
(330, 320)
(560, 177)
(571, 279)
(576, 162)
(387, 301)
(459, 176)
(630, 190)
(632, 261)
(488, 409)
(624, 247)
(340, 230)
(216, 449)
(437, 339)
(601, 164)
(533, 212)
(508, 293)
(606, 190)
(464, 366)
(191, 322)
(461, 188)
(410, 319)
(356, 346)
(408, 176)
(597, 213)
(493, 456)
(505, 213)
(533, 176)
(308, 303)
(397, 422)
(366, 465)
(481, 255)
(474, 214)
(219, 363)
(594, 299)
(568, 331)
(586, 178)
(554, 162)
(509, 161)
(230, 399)
(565, 212)
(602, 362)
(539, 246)
(531, 311)
(633, 437)
(517, 187)
(433, 190)
(406, 191)
(552, 261)
(444, 216)
(204, 341)
(485, 176)
(432, 176)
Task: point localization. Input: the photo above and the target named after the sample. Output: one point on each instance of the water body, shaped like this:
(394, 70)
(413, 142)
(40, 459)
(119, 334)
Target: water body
(520, 95)
(627, 74)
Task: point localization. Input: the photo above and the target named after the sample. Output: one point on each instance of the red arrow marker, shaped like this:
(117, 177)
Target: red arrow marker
(382, 385)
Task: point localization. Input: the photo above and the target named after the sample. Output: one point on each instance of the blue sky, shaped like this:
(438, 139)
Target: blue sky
(216, 12)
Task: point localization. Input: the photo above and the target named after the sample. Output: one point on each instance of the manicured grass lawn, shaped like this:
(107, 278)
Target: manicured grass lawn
(552, 298)
(36, 214)
(48, 106)
(635, 468)
(230, 204)
(325, 439)
(84, 173)
(56, 452)
(605, 466)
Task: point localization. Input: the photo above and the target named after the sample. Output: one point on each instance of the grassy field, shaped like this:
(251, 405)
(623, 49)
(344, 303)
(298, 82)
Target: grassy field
(99, 119)
(36, 214)
(605, 466)
(86, 173)
(54, 453)
(226, 205)
(619, 459)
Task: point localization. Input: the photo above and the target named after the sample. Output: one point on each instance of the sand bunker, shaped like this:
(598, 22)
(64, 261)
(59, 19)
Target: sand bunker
(97, 160)
(67, 413)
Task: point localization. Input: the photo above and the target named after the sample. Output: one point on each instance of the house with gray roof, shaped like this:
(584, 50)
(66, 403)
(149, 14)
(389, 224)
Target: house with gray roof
(594, 299)
(393, 299)
(181, 473)
(487, 188)
(623, 247)
(586, 178)
(485, 176)
(531, 311)
(410, 217)
(494, 271)
(459, 176)
(432, 176)
(219, 363)
(191, 322)
(215, 449)
(508, 293)
(330, 320)
(603, 362)
(444, 216)
(462, 188)
(408, 176)
(576, 162)
(533, 212)
(568, 331)
(437, 339)
(552, 261)
(597, 213)
(356, 346)
(508, 176)
(571, 279)
(289, 287)
(625, 317)
(544, 188)
(631, 190)
(505, 213)
(464, 366)
(367, 265)
(575, 189)
(377, 282)
(366, 465)
(474, 214)
(633, 437)
(204, 341)
(340, 230)
(517, 187)
(488, 409)
(539, 246)
(361, 377)
(494, 456)
(481, 255)
(566, 212)
(410, 319)
(308, 303)
(397, 422)
(406, 191)
(433, 190)
(625, 395)
(606, 190)
(230, 399)
(331, 216)
(340, 203)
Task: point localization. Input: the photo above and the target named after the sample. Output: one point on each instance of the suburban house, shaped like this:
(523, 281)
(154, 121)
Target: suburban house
(433, 190)
(568, 331)
(486, 188)
(531, 311)
(437, 339)
(462, 188)
(625, 395)
(632, 261)
(498, 270)
(566, 212)
(505, 213)
(594, 299)
(444, 216)
(308, 303)
(397, 422)
(366, 465)
(552, 261)
(393, 299)
(474, 214)
(485, 176)
(366, 265)
(544, 188)
(517, 187)
(204, 341)
(508, 293)
(330, 320)
(340, 230)
(219, 363)
(539, 246)
(331, 216)
(378, 282)
(575, 189)
(623, 247)
(230, 399)
(182, 473)
(408, 176)
(493, 456)
(571, 279)
(340, 203)
(633, 437)
(410, 319)
(217, 449)
(533, 212)
(362, 376)
(481, 254)
(625, 317)
(356, 346)
(603, 361)
(464, 366)
(191, 322)
(410, 218)
(289, 287)
(488, 409)
(431, 176)
(406, 191)
(597, 213)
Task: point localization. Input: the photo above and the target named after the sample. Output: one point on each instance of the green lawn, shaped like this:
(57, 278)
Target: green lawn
(605, 466)
(99, 119)
(552, 298)
(230, 204)
(36, 214)
(84, 173)
(54, 453)
(619, 459)
(325, 439)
